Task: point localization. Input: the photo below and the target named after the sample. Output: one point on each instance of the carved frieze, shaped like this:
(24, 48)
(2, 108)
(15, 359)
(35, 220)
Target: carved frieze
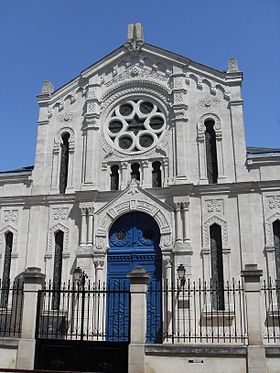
(215, 206)
(67, 117)
(60, 213)
(10, 216)
(136, 72)
(208, 102)
(274, 202)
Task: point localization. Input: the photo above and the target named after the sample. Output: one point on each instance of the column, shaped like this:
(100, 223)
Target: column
(165, 173)
(70, 167)
(256, 351)
(220, 157)
(99, 305)
(33, 281)
(146, 180)
(124, 175)
(167, 307)
(178, 221)
(138, 290)
(90, 225)
(186, 221)
(83, 226)
(202, 158)
(55, 167)
(88, 149)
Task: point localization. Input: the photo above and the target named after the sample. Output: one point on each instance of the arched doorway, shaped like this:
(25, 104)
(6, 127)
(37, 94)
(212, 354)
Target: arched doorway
(134, 241)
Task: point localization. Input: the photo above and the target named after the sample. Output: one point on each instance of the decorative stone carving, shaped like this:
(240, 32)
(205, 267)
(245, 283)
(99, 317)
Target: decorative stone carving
(111, 101)
(215, 206)
(274, 202)
(67, 117)
(58, 138)
(269, 228)
(201, 127)
(52, 231)
(47, 88)
(60, 213)
(208, 102)
(134, 198)
(10, 216)
(206, 232)
(135, 38)
(232, 65)
(135, 73)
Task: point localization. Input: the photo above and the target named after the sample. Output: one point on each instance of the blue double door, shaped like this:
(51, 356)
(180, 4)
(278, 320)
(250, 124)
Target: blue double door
(133, 241)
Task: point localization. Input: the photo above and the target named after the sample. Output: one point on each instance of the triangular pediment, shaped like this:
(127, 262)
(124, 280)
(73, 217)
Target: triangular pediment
(151, 63)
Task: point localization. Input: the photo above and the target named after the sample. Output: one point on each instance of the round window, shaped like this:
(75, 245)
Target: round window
(135, 125)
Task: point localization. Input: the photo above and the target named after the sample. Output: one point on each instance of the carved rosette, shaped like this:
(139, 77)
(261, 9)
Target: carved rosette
(215, 206)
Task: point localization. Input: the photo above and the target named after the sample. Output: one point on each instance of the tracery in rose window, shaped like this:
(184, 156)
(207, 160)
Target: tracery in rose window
(135, 125)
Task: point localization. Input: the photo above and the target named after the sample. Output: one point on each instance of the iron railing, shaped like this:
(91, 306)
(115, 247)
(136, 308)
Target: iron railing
(191, 313)
(271, 298)
(11, 307)
(92, 312)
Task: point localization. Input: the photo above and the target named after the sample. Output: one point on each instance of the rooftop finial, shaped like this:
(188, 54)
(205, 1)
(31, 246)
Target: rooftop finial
(135, 38)
(232, 65)
(47, 88)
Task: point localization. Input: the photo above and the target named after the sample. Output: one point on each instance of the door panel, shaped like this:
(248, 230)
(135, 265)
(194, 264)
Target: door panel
(134, 241)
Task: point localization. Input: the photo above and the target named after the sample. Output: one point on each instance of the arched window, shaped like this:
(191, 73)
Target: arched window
(156, 174)
(115, 177)
(276, 235)
(57, 268)
(211, 152)
(64, 161)
(135, 171)
(6, 269)
(217, 272)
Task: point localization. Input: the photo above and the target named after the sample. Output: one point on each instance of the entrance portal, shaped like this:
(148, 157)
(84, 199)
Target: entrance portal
(134, 241)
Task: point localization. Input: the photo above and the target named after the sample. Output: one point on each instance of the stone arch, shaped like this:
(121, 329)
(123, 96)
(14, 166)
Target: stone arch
(133, 201)
(206, 232)
(269, 228)
(50, 245)
(3, 231)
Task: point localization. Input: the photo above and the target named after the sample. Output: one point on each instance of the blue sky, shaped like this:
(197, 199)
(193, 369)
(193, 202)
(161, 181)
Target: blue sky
(56, 39)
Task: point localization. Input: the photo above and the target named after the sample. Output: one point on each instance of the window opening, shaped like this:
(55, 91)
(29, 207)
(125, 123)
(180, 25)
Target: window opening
(115, 177)
(276, 235)
(57, 269)
(64, 163)
(211, 152)
(6, 269)
(135, 171)
(156, 174)
(217, 272)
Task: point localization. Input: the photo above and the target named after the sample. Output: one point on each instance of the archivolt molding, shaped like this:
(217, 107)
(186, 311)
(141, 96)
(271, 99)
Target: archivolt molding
(129, 91)
(206, 232)
(269, 228)
(201, 126)
(52, 231)
(58, 139)
(3, 231)
(133, 200)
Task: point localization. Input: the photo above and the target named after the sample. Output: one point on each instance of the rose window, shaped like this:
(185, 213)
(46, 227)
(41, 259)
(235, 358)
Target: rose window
(135, 126)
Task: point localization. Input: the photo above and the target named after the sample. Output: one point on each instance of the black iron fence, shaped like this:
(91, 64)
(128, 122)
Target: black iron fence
(271, 300)
(192, 312)
(11, 307)
(93, 312)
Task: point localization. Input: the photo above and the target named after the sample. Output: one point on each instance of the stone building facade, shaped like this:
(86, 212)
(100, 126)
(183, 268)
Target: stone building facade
(143, 130)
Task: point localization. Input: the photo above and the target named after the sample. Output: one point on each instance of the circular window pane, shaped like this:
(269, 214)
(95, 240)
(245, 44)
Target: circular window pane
(120, 235)
(156, 123)
(146, 107)
(126, 109)
(148, 234)
(125, 142)
(146, 140)
(115, 126)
